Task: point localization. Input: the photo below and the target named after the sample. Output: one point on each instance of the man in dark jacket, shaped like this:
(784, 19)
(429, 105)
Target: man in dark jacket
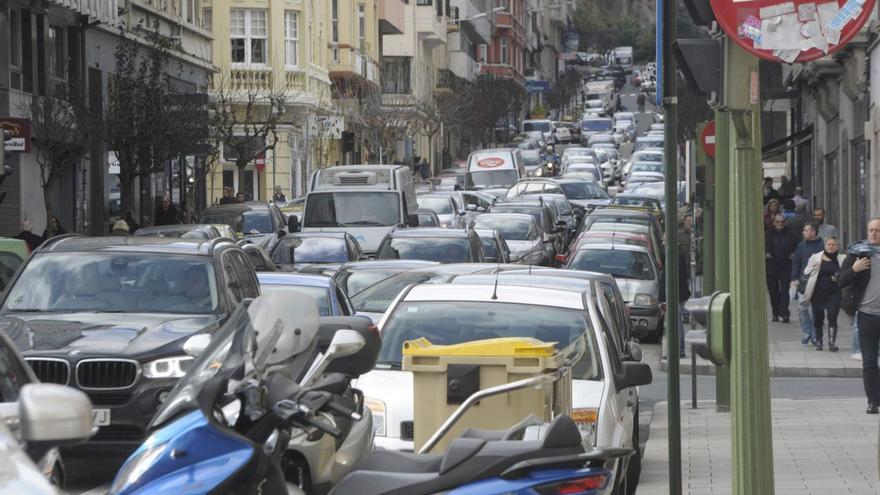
(795, 224)
(779, 246)
(166, 213)
(32, 240)
(856, 272)
(811, 245)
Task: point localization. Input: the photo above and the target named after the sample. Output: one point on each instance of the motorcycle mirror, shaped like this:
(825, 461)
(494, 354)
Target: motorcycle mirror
(345, 343)
(196, 344)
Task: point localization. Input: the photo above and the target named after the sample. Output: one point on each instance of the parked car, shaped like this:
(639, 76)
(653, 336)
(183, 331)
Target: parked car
(109, 316)
(605, 405)
(431, 244)
(327, 293)
(182, 231)
(315, 252)
(358, 275)
(638, 277)
(261, 222)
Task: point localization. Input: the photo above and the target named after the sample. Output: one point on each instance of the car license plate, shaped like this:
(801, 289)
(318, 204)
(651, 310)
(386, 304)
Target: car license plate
(100, 417)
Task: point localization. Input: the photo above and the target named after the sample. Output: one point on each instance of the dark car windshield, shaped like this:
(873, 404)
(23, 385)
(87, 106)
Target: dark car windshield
(597, 125)
(647, 167)
(454, 322)
(440, 249)
(614, 262)
(377, 298)
(583, 190)
(536, 126)
(531, 158)
(440, 205)
(355, 281)
(491, 178)
(352, 209)
(292, 249)
(537, 212)
(511, 229)
(116, 283)
(246, 222)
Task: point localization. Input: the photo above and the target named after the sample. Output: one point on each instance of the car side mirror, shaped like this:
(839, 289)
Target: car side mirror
(471, 207)
(636, 374)
(196, 344)
(54, 414)
(412, 220)
(293, 223)
(514, 258)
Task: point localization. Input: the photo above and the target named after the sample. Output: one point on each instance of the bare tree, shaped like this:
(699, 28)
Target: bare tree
(148, 121)
(63, 125)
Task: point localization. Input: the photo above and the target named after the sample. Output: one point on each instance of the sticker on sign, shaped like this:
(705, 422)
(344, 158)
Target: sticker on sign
(16, 144)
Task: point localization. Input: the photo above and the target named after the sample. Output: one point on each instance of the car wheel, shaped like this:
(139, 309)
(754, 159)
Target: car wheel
(634, 467)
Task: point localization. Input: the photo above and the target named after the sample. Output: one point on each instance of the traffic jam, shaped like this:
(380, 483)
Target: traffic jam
(477, 332)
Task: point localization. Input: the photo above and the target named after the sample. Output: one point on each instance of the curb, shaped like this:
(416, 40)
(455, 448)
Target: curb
(776, 371)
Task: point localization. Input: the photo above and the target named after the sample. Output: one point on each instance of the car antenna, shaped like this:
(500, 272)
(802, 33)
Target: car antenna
(495, 290)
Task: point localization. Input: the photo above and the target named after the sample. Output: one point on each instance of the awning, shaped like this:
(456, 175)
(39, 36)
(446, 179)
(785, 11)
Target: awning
(103, 11)
(793, 140)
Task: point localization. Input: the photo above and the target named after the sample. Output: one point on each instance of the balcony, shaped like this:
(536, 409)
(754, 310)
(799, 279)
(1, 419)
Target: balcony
(463, 66)
(353, 65)
(559, 13)
(503, 71)
(478, 30)
(392, 17)
(430, 26)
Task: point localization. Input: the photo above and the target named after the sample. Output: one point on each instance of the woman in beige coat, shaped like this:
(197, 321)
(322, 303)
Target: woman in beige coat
(822, 290)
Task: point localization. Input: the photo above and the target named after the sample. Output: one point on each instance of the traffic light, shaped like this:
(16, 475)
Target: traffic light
(713, 314)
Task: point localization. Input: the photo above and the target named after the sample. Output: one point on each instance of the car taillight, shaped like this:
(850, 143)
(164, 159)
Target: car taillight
(580, 486)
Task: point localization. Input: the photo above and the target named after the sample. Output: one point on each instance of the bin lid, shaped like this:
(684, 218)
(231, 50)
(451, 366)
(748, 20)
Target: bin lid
(505, 346)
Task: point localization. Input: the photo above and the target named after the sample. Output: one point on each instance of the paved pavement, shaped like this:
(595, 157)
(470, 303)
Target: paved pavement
(820, 446)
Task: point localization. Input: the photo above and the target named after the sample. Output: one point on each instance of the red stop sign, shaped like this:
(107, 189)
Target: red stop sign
(707, 139)
(260, 162)
(792, 30)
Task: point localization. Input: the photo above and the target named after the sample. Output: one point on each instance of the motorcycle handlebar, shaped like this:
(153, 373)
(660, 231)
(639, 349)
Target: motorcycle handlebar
(337, 408)
(326, 428)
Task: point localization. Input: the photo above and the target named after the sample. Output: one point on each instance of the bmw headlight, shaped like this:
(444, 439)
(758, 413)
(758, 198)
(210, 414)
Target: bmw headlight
(644, 300)
(173, 367)
(377, 407)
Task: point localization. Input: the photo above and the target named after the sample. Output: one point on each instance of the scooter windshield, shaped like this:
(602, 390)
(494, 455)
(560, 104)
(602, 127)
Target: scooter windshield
(259, 334)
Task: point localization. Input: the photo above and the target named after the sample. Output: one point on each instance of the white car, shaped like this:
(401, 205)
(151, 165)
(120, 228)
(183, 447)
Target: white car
(604, 393)
(561, 132)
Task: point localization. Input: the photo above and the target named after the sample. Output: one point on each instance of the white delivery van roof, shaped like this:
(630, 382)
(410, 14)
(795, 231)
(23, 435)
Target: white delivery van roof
(374, 177)
(491, 159)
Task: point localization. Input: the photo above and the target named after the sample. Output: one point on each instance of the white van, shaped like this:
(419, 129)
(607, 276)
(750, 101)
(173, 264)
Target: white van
(494, 168)
(366, 201)
(544, 126)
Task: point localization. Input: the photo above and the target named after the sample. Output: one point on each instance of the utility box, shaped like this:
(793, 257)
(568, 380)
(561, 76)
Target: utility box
(444, 376)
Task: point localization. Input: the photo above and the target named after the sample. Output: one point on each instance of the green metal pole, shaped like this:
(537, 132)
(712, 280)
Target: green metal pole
(722, 235)
(673, 311)
(707, 247)
(751, 431)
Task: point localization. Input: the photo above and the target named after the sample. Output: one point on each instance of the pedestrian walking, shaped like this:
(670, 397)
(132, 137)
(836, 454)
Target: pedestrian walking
(825, 230)
(769, 192)
(770, 212)
(166, 213)
(779, 247)
(807, 248)
(32, 240)
(120, 229)
(424, 169)
(865, 282)
(788, 207)
(53, 229)
(228, 197)
(786, 188)
(799, 197)
(796, 223)
(823, 291)
(641, 102)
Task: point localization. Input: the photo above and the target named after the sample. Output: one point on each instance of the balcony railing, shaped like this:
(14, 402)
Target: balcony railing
(353, 61)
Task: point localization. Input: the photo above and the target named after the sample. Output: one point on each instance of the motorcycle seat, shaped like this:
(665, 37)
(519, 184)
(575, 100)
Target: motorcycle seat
(466, 460)
(402, 462)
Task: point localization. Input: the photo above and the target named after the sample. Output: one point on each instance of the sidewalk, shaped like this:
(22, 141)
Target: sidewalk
(820, 447)
(791, 359)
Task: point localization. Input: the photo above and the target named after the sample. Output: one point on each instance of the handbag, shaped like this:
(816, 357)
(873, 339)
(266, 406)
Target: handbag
(802, 284)
(848, 300)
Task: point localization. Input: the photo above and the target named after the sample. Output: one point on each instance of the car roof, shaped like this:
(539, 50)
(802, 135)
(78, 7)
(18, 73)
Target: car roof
(435, 194)
(526, 280)
(239, 207)
(132, 244)
(487, 293)
(565, 273)
(620, 212)
(525, 217)
(381, 264)
(275, 278)
(428, 232)
(181, 227)
(488, 233)
(625, 195)
(322, 235)
(613, 246)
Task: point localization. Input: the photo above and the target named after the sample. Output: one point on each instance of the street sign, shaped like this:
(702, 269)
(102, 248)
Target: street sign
(260, 162)
(707, 139)
(793, 30)
(18, 134)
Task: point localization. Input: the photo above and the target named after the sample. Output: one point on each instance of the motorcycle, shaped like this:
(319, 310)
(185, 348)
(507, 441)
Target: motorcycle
(266, 406)
(550, 163)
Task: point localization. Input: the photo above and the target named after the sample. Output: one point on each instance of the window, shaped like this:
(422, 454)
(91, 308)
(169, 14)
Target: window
(15, 56)
(483, 54)
(56, 51)
(362, 22)
(335, 22)
(291, 39)
(504, 50)
(207, 19)
(396, 75)
(248, 32)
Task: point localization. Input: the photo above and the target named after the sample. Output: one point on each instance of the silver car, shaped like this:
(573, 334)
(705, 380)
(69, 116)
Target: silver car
(526, 240)
(637, 275)
(451, 217)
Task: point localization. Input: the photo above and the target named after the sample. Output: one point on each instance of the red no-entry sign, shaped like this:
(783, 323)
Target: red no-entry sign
(707, 139)
(793, 30)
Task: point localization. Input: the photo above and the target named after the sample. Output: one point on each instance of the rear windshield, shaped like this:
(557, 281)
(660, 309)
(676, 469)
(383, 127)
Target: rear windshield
(510, 229)
(377, 297)
(614, 262)
(536, 126)
(440, 249)
(290, 250)
(596, 125)
(583, 190)
(440, 206)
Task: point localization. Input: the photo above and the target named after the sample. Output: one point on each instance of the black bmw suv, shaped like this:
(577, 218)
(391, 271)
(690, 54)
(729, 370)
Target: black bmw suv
(109, 316)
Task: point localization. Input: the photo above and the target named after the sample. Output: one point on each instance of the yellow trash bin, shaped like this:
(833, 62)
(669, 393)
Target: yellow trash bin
(444, 376)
